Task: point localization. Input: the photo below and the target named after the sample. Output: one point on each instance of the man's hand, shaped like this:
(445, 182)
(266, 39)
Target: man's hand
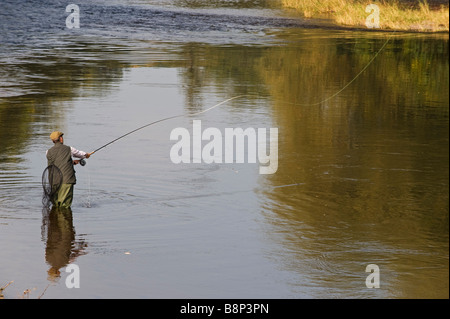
(75, 162)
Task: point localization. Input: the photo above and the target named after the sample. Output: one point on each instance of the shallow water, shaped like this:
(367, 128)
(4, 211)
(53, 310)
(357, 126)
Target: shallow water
(362, 176)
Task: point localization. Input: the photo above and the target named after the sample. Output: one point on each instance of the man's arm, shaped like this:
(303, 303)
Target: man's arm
(79, 154)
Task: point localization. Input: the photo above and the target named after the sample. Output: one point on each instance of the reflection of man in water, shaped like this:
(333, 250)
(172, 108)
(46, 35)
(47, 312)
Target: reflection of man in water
(61, 247)
(60, 155)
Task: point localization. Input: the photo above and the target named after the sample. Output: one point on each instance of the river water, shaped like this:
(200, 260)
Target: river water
(362, 175)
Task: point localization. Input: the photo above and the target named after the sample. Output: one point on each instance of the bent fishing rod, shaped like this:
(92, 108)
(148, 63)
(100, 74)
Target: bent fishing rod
(165, 119)
(239, 96)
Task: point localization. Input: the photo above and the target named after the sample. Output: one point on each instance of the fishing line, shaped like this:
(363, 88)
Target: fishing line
(223, 102)
(165, 119)
(354, 79)
(357, 76)
(247, 95)
(88, 204)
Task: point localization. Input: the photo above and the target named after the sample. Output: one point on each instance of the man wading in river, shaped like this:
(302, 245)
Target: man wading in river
(60, 155)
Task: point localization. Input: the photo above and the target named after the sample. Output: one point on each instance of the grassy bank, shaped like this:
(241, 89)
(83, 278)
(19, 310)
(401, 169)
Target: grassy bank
(392, 14)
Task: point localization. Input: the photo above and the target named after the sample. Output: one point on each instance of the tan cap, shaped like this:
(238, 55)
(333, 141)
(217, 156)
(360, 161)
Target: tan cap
(56, 135)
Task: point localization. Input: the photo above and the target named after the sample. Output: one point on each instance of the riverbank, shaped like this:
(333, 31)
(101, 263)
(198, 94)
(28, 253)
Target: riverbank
(422, 16)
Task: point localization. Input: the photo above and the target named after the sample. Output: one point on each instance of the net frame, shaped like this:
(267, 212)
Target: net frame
(51, 183)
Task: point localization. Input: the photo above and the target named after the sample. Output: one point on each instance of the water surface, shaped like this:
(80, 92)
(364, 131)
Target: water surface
(362, 176)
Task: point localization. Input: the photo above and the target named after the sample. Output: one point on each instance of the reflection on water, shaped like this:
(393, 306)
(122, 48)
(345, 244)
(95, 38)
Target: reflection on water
(367, 170)
(61, 246)
(374, 160)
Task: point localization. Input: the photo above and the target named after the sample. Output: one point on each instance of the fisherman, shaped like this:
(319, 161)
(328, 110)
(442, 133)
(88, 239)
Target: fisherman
(60, 155)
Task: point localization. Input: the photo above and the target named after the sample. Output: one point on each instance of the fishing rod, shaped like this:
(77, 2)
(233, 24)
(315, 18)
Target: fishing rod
(165, 119)
(239, 96)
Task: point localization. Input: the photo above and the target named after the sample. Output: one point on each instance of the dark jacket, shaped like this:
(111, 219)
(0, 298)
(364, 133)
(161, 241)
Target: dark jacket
(60, 155)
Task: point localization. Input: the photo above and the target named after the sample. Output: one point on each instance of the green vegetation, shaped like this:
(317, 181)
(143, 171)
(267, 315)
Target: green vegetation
(393, 15)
